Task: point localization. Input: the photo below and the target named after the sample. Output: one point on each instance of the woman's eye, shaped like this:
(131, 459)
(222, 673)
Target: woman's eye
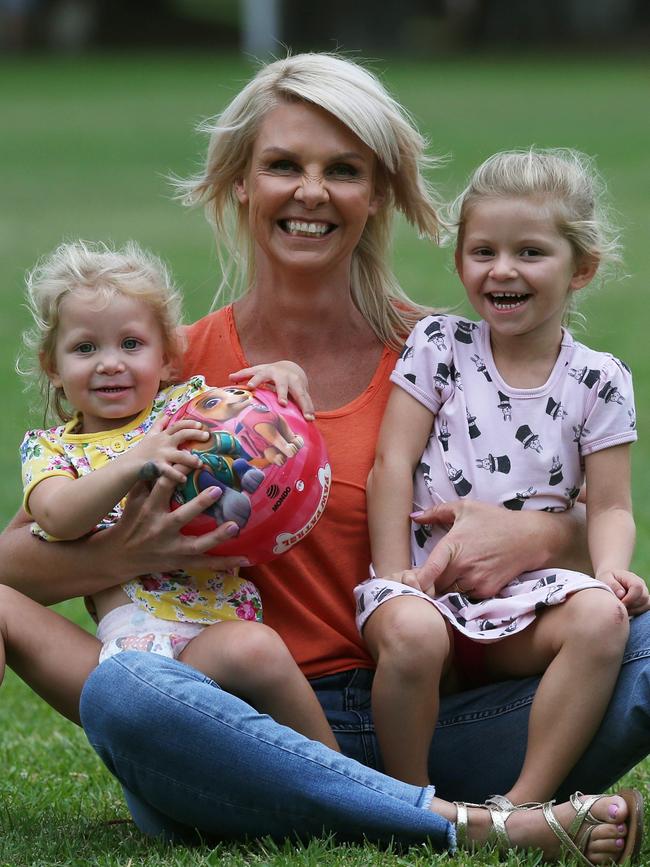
(85, 348)
(283, 166)
(130, 343)
(343, 170)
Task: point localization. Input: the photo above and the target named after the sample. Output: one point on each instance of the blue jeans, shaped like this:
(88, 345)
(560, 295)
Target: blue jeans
(190, 755)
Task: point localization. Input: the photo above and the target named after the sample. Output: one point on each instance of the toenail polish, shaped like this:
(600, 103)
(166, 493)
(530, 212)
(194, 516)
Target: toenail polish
(620, 842)
(620, 828)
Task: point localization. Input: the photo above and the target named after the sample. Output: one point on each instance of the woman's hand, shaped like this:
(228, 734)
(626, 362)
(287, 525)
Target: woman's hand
(487, 546)
(148, 537)
(287, 378)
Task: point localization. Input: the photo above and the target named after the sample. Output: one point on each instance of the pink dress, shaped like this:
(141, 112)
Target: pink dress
(521, 448)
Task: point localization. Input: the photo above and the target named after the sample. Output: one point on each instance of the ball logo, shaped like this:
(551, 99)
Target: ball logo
(272, 491)
(300, 485)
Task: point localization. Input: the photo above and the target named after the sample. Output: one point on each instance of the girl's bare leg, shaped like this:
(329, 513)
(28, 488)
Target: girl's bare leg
(51, 654)
(579, 647)
(250, 660)
(409, 640)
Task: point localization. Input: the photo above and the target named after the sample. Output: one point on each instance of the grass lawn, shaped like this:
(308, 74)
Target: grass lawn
(85, 148)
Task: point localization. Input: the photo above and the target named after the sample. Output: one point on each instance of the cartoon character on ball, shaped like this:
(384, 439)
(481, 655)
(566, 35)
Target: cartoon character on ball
(268, 462)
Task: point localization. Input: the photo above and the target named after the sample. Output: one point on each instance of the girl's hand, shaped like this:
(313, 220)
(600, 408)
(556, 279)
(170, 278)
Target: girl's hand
(629, 588)
(148, 536)
(286, 377)
(161, 446)
(407, 576)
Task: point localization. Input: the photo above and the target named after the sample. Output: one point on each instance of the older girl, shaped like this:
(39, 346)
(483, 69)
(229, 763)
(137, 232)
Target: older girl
(513, 411)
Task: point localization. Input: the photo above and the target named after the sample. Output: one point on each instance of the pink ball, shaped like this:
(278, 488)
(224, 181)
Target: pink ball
(270, 464)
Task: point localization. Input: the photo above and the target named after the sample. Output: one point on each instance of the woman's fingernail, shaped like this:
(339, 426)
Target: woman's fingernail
(244, 562)
(613, 810)
(232, 529)
(215, 492)
(416, 514)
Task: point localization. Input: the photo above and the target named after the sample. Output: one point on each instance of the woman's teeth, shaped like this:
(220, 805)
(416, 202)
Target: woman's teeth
(298, 227)
(507, 300)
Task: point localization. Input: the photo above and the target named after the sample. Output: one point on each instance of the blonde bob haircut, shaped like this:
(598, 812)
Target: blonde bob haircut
(93, 267)
(356, 98)
(564, 180)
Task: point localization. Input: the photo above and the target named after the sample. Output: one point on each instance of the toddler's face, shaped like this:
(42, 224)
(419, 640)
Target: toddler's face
(109, 358)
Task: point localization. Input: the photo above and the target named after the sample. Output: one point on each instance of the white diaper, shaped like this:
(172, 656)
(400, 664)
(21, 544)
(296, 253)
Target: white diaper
(130, 628)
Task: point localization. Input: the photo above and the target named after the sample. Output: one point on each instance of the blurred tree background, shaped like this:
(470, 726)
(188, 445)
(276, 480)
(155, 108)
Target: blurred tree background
(415, 28)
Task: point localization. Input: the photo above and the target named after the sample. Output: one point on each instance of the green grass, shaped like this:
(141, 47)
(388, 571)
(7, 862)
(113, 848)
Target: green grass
(85, 148)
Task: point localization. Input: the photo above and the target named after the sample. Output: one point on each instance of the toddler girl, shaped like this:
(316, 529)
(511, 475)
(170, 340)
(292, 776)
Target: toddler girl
(511, 410)
(106, 329)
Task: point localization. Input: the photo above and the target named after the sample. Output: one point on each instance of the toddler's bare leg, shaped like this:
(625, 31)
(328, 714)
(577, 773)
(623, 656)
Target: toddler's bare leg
(51, 654)
(579, 647)
(409, 639)
(251, 661)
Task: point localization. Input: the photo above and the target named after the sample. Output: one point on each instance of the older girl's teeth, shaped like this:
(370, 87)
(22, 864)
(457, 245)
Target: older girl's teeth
(295, 227)
(507, 300)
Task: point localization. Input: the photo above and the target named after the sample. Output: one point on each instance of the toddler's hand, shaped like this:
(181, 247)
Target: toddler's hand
(286, 377)
(629, 588)
(161, 446)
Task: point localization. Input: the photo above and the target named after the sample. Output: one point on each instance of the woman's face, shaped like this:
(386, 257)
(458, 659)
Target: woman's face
(309, 190)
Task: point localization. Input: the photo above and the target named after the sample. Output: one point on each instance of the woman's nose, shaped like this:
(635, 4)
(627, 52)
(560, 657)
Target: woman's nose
(311, 191)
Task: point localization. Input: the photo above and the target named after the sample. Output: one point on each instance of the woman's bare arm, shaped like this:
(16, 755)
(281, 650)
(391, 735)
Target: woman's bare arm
(146, 539)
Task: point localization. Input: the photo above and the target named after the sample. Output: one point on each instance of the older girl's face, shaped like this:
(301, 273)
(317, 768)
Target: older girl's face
(309, 190)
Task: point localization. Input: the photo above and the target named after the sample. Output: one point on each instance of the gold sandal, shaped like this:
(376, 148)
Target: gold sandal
(575, 839)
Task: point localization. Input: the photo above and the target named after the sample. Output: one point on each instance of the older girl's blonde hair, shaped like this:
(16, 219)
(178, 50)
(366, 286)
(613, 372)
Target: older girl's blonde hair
(93, 267)
(356, 98)
(562, 178)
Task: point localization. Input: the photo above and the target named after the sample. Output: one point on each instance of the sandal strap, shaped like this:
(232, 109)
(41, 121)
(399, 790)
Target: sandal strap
(499, 814)
(575, 845)
(462, 837)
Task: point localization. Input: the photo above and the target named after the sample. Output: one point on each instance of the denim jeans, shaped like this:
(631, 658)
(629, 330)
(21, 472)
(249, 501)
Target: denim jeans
(189, 755)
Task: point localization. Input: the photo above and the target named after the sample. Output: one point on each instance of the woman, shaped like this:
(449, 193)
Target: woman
(313, 157)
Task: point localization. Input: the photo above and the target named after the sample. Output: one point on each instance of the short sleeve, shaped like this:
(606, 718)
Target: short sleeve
(170, 399)
(425, 366)
(611, 416)
(42, 456)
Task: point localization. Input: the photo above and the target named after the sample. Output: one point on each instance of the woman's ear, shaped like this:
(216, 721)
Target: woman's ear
(584, 273)
(49, 369)
(240, 191)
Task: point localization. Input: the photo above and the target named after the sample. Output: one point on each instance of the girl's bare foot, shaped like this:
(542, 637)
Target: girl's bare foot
(530, 829)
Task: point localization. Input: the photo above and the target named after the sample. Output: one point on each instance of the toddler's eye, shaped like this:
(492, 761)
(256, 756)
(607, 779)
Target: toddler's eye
(483, 252)
(130, 343)
(85, 348)
(531, 252)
